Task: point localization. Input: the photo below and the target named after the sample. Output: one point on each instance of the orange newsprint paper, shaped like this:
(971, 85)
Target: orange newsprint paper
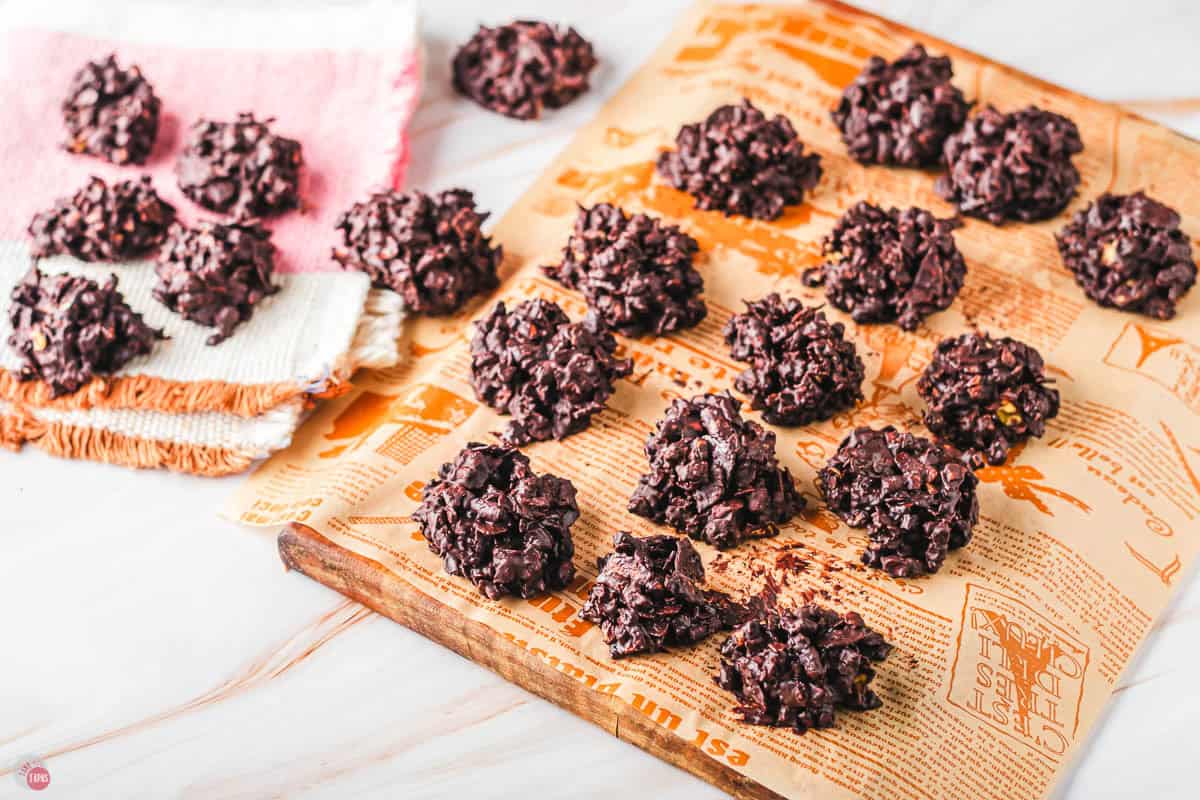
(1005, 659)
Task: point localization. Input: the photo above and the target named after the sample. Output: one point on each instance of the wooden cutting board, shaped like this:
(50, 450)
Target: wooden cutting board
(836, 60)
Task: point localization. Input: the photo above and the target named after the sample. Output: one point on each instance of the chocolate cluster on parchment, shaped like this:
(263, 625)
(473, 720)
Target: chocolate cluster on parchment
(634, 271)
(802, 367)
(649, 596)
(1128, 252)
(240, 168)
(915, 497)
(103, 223)
(1013, 166)
(714, 475)
(215, 273)
(548, 373)
(890, 265)
(500, 525)
(901, 112)
(984, 395)
(111, 113)
(429, 249)
(795, 667)
(739, 161)
(523, 67)
(68, 329)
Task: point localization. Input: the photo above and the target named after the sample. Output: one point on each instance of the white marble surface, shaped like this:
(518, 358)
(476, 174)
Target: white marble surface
(152, 650)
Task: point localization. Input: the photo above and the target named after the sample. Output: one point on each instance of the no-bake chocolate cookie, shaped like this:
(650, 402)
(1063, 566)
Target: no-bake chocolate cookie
(429, 249)
(901, 112)
(548, 373)
(497, 523)
(215, 273)
(739, 161)
(68, 329)
(1128, 252)
(1012, 166)
(634, 271)
(794, 667)
(894, 265)
(714, 475)
(240, 167)
(523, 67)
(802, 368)
(103, 223)
(649, 596)
(984, 395)
(915, 497)
(111, 113)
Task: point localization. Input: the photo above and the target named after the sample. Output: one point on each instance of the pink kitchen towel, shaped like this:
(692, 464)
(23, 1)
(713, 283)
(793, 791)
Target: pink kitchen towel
(340, 76)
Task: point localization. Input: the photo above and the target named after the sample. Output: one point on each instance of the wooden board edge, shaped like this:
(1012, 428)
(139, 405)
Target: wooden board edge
(367, 581)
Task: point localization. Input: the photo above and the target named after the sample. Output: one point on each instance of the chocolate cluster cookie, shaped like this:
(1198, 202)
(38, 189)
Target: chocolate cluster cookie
(915, 497)
(215, 273)
(1012, 166)
(793, 668)
(548, 373)
(714, 475)
(634, 271)
(68, 329)
(802, 368)
(894, 265)
(523, 67)
(429, 249)
(500, 525)
(739, 161)
(240, 168)
(103, 223)
(902, 112)
(984, 395)
(649, 596)
(111, 113)
(1128, 252)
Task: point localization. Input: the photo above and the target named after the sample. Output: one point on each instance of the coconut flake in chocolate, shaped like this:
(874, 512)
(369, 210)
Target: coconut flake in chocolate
(497, 523)
(1128, 252)
(103, 223)
(111, 113)
(68, 329)
(738, 161)
(634, 271)
(903, 112)
(523, 67)
(429, 249)
(714, 475)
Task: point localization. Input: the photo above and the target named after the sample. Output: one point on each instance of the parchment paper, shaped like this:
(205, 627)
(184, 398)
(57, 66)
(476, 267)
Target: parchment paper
(1006, 657)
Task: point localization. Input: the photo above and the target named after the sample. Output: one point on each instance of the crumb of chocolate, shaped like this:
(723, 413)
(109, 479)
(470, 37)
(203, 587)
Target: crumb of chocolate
(103, 223)
(111, 113)
(1128, 252)
(1012, 166)
(634, 271)
(68, 329)
(429, 249)
(739, 161)
(915, 497)
(524, 67)
(497, 523)
(901, 112)
(649, 596)
(794, 667)
(215, 273)
(984, 395)
(802, 367)
(240, 167)
(714, 475)
(894, 265)
(548, 373)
